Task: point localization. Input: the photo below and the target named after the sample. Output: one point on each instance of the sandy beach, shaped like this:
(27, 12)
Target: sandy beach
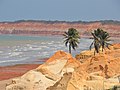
(8, 72)
(12, 71)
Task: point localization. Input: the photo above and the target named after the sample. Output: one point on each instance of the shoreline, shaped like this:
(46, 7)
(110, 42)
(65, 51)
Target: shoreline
(12, 71)
(20, 69)
(37, 35)
(49, 34)
(8, 72)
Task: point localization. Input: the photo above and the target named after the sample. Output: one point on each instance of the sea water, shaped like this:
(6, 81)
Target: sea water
(16, 49)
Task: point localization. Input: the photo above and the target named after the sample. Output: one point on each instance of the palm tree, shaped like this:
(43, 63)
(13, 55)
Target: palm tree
(72, 38)
(96, 43)
(104, 39)
(101, 40)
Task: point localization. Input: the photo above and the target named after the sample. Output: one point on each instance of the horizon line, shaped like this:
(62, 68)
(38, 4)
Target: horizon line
(35, 20)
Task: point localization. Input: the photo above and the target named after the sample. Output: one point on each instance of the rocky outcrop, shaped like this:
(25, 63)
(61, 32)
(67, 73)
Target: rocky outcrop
(46, 75)
(63, 72)
(101, 72)
(108, 61)
(56, 28)
(62, 84)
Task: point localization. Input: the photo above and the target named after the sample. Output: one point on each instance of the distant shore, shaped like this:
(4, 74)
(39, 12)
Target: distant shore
(49, 34)
(36, 27)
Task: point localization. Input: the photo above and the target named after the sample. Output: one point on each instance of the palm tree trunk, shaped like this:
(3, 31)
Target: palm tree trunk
(70, 49)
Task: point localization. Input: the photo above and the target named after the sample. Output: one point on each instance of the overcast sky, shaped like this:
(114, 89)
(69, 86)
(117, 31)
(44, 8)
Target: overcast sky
(69, 10)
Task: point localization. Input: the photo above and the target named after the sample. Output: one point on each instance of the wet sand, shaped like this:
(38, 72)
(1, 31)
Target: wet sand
(8, 72)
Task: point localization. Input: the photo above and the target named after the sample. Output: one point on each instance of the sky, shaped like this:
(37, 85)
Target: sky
(63, 10)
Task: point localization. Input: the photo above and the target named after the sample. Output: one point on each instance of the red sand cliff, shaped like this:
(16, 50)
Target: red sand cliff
(56, 28)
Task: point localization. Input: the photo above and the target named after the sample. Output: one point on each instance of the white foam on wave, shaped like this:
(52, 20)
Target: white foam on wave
(27, 44)
(1, 52)
(49, 43)
(24, 49)
(22, 59)
(58, 42)
(31, 45)
(44, 46)
(45, 53)
(12, 54)
(52, 41)
(31, 48)
(43, 42)
(15, 54)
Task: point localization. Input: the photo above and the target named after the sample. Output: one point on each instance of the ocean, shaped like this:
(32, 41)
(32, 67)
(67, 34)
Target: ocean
(16, 49)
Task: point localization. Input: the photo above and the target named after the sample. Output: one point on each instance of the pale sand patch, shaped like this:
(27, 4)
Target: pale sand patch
(4, 83)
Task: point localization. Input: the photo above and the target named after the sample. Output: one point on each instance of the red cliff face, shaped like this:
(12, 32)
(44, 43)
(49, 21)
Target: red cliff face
(41, 28)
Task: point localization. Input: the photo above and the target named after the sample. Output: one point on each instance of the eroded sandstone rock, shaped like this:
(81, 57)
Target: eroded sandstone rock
(63, 72)
(48, 74)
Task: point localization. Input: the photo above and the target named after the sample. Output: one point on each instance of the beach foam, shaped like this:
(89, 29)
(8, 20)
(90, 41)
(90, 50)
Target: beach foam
(21, 59)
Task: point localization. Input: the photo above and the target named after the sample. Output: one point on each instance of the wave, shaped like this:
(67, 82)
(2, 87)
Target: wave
(43, 42)
(31, 48)
(50, 43)
(15, 54)
(45, 53)
(22, 59)
(1, 52)
(12, 54)
(45, 47)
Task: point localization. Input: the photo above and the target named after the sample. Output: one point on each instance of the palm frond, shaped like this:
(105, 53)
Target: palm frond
(95, 37)
(72, 38)
(101, 39)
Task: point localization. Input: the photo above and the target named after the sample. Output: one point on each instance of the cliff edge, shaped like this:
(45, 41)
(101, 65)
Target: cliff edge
(58, 27)
(63, 72)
